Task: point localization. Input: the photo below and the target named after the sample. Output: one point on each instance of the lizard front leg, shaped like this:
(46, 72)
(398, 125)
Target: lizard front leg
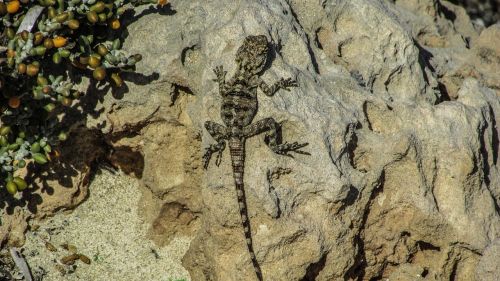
(271, 127)
(281, 84)
(221, 79)
(220, 134)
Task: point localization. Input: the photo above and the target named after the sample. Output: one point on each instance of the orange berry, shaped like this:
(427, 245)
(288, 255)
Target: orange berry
(59, 41)
(14, 102)
(55, 154)
(13, 7)
(48, 43)
(32, 69)
(11, 53)
(73, 24)
(66, 101)
(38, 38)
(162, 2)
(99, 73)
(94, 61)
(117, 79)
(46, 89)
(21, 68)
(115, 24)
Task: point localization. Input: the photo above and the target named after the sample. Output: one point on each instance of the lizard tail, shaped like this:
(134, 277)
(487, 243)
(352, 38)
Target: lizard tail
(237, 151)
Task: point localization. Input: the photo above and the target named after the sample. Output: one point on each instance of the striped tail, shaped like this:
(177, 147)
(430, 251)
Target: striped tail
(237, 151)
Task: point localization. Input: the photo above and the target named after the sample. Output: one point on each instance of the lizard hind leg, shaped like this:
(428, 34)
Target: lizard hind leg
(219, 133)
(273, 137)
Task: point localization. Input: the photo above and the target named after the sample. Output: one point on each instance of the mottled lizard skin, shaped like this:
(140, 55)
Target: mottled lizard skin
(239, 106)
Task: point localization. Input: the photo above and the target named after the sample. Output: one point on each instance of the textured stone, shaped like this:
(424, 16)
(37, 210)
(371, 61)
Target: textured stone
(398, 100)
(488, 268)
(485, 12)
(60, 185)
(403, 179)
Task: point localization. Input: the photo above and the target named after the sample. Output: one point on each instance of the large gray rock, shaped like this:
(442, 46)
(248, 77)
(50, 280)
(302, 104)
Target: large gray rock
(488, 268)
(401, 121)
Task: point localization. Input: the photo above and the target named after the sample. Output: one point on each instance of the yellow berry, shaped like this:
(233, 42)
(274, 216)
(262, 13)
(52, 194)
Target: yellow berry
(99, 73)
(21, 183)
(11, 187)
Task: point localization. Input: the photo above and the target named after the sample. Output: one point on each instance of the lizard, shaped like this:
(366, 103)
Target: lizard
(239, 107)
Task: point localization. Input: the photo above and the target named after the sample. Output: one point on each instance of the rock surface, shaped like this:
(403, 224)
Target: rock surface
(108, 229)
(398, 100)
(485, 12)
(488, 268)
(59, 186)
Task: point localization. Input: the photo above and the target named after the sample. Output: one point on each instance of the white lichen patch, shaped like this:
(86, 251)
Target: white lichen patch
(106, 228)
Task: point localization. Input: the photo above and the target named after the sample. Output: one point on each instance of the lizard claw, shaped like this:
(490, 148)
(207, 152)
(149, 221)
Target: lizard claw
(219, 147)
(219, 72)
(205, 163)
(285, 148)
(288, 82)
(219, 158)
(206, 159)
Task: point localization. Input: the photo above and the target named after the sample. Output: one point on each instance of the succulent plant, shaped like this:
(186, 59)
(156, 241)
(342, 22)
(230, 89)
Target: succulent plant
(41, 41)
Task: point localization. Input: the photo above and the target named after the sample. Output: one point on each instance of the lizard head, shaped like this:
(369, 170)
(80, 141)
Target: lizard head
(251, 57)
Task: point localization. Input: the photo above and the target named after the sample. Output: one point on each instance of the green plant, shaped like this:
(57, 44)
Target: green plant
(44, 46)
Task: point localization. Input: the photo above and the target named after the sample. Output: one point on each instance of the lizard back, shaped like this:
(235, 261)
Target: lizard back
(239, 107)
